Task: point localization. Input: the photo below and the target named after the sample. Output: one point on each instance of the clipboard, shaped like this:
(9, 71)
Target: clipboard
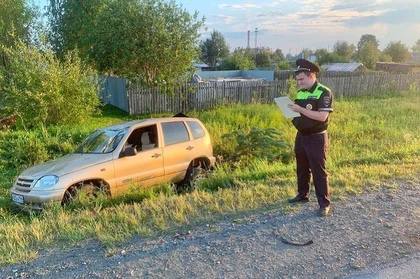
(282, 103)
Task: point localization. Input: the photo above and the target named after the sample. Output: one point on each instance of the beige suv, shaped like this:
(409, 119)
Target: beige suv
(143, 152)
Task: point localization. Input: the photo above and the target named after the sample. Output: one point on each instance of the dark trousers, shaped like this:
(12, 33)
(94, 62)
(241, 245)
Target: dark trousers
(310, 153)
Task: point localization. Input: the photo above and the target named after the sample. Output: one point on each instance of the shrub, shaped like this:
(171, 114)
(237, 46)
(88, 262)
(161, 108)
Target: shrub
(39, 89)
(21, 149)
(261, 143)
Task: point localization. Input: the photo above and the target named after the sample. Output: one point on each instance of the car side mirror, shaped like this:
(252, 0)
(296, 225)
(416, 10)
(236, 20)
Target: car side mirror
(129, 151)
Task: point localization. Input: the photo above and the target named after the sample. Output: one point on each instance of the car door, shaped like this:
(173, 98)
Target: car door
(144, 168)
(178, 150)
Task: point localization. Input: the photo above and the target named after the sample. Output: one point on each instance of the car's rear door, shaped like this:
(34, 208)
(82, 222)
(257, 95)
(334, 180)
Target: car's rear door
(178, 149)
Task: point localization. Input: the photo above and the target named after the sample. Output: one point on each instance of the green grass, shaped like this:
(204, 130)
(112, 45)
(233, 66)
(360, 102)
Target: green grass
(373, 141)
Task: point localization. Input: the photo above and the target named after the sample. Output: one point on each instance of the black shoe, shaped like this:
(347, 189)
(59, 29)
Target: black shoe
(324, 211)
(298, 199)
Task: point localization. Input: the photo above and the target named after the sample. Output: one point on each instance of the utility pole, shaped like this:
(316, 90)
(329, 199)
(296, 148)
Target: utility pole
(256, 38)
(249, 36)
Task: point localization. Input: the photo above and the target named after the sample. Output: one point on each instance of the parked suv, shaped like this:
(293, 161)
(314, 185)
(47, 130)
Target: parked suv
(143, 152)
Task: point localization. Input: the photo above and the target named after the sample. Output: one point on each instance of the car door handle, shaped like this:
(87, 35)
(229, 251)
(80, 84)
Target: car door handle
(156, 155)
(190, 147)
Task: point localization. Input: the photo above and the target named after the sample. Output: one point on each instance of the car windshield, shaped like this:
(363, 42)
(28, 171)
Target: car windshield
(102, 141)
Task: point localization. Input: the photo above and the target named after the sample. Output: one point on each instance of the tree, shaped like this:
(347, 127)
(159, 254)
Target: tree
(398, 51)
(263, 58)
(416, 47)
(383, 57)
(277, 56)
(16, 19)
(153, 41)
(368, 54)
(306, 53)
(325, 57)
(322, 56)
(344, 50)
(214, 49)
(40, 89)
(367, 50)
(367, 38)
(240, 59)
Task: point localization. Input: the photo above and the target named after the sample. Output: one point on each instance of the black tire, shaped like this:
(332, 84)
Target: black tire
(195, 170)
(81, 193)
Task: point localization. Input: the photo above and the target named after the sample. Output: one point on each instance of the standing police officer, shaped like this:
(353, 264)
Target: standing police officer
(313, 102)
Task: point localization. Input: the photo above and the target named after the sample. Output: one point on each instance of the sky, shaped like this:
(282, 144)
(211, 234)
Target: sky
(292, 25)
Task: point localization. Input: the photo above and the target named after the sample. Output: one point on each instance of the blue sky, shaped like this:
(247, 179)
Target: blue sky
(292, 25)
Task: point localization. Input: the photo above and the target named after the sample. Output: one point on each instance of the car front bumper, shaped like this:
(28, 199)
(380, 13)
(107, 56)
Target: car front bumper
(35, 199)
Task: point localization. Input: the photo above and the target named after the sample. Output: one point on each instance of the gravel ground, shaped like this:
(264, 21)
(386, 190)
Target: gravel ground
(365, 235)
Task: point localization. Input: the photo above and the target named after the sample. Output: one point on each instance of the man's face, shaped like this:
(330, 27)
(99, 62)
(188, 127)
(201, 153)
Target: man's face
(305, 81)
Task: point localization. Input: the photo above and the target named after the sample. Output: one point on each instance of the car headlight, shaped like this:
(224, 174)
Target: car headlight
(46, 182)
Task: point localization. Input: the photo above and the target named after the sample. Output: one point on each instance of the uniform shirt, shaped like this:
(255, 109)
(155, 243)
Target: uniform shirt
(318, 98)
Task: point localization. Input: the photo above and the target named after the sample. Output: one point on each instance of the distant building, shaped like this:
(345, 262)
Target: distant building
(202, 66)
(344, 67)
(397, 67)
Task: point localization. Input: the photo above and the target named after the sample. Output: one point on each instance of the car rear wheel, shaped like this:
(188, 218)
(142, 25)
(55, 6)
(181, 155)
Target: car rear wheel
(195, 170)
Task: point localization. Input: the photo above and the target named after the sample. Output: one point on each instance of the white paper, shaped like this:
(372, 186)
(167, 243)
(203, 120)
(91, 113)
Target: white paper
(282, 103)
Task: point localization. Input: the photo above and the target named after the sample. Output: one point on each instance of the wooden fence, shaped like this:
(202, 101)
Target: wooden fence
(211, 94)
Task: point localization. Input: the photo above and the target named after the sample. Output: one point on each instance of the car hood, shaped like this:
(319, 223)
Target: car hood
(67, 164)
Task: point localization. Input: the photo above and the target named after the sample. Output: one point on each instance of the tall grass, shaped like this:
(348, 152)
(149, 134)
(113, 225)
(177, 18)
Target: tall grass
(372, 140)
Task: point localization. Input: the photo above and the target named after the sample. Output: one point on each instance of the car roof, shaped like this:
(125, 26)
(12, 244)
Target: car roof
(148, 121)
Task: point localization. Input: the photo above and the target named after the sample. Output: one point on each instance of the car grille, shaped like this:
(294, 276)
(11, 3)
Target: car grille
(24, 184)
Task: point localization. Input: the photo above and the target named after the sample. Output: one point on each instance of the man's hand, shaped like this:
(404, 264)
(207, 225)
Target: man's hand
(295, 108)
(315, 115)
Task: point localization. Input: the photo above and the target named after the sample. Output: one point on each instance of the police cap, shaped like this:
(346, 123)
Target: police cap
(304, 65)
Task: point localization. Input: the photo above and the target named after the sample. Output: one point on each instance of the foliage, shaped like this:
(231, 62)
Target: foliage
(265, 144)
(325, 57)
(263, 58)
(416, 47)
(368, 54)
(306, 52)
(397, 51)
(240, 59)
(385, 57)
(344, 49)
(367, 50)
(367, 38)
(39, 89)
(214, 49)
(21, 149)
(292, 88)
(153, 41)
(277, 56)
(282, 65)
(16, 19)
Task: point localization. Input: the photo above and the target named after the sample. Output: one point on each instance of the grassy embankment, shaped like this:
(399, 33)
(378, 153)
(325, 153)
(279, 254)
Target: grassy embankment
(372, 141)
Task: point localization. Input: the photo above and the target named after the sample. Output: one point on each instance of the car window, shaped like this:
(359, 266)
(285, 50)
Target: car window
(174, 132)
(101, 141)
(196, 129)
(144, 138)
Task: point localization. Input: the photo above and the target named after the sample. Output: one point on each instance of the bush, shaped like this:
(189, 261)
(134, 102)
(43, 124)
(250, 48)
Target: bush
(39, 89)
(264, 144)
(21, 149)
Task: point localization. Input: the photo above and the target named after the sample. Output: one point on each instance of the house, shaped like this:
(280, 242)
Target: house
(397, 67)
(201, 66)
(352, 67)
